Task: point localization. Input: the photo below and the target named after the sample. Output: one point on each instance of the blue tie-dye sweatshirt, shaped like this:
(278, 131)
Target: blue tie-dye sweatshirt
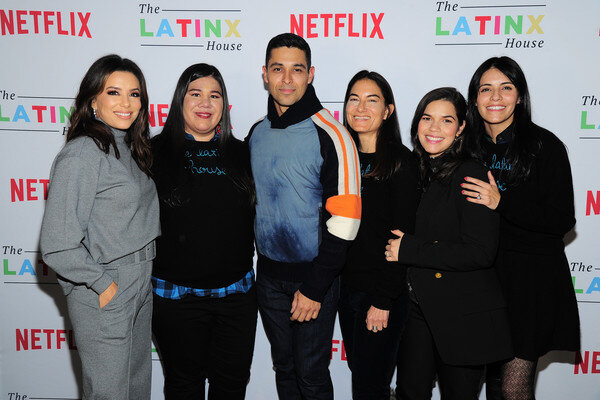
(306, 172)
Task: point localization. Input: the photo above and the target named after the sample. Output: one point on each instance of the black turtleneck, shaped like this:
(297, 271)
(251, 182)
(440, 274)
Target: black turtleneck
(305, 107)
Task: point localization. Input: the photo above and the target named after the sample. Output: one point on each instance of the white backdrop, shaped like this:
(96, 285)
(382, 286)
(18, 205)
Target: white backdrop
(46, 47)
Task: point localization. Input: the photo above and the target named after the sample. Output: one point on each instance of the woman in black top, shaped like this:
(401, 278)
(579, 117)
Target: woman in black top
(205, 311)
(532, 191)
(372, 307)
(457, 319)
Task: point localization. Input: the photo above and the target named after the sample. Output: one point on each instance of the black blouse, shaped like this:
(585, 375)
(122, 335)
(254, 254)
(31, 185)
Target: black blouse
(386, 205)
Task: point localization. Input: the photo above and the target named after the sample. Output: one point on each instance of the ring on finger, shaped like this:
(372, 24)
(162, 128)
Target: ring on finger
(387, 253)
(374, 329)
(479, 196)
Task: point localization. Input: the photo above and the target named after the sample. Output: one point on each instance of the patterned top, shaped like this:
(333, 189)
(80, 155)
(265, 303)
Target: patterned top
(169, 290)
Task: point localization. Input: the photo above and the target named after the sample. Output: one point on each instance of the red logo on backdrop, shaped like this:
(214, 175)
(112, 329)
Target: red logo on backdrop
(587, 362)
(366, 25)
(28, 189)
(338, 346)
(592, 203)
(24, 22)
(157, 114)
(44, 339)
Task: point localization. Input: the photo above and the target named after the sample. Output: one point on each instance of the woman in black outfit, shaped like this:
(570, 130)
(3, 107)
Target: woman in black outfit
(532, 191)
(204, 319)
(457, 319)
(373, 300)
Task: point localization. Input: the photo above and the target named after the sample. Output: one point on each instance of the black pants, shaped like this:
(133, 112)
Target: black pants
(371, 356)
(202, 338)
(419, 362)
(301, 351)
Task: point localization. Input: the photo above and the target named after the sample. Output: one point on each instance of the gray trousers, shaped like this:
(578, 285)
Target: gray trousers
(115, 342)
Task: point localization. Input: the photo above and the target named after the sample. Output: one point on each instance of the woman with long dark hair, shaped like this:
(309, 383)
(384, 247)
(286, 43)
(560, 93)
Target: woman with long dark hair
(457, 319)
(530, 187)
(99, 226)
(205, 311)
(373, 297)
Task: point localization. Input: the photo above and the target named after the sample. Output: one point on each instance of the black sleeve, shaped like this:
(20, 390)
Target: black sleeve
(475, 246)
(545, 202)
(337, 230)
(390, 279)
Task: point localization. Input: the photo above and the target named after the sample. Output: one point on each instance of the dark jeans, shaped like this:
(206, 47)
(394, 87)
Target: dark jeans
(301, 351)
(202, 338)
(419, 362)
(371, 356)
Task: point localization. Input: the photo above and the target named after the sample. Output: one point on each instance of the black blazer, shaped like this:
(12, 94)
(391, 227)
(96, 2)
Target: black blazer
(451, 256)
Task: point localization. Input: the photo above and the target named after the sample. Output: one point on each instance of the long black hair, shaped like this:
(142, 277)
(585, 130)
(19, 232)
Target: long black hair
(170, 142)
(83, 122)
(458, 151)
(525, 144)
(389, 146)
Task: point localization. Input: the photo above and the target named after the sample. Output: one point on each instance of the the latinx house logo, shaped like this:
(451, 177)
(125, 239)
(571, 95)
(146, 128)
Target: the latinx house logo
(364, 25)
(189, 28)
(43, 22)
(589, 125)
(509, 26)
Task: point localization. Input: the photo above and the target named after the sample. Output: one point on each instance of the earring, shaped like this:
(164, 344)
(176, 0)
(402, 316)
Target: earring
(94, 111)
(218, 129)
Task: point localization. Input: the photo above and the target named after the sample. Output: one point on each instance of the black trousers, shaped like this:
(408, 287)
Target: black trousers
(419, 362)
(371, 355)
(201, 339)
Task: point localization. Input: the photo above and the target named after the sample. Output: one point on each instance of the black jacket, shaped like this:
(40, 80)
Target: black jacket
(451, 256)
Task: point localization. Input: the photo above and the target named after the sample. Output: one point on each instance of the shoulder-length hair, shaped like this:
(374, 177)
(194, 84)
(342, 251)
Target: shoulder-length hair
(388, 148)
(458, 151)
(525, 144)
(83, 122)
(173, 133)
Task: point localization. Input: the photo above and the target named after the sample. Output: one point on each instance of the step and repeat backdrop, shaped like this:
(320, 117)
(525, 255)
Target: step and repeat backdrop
(417, 45)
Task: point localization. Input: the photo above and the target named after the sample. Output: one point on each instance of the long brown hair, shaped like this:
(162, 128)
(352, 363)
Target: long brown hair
(83, 122)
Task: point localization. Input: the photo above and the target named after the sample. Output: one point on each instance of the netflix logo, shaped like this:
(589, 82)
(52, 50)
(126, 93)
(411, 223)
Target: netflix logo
(592, 203)
(44, 339)
(337, 346)
(365, 25)
(587, 362)
(28, 189)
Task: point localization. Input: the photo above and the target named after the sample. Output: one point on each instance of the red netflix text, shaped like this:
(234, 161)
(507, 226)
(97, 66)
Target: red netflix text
(587, 362)
(44, 339)
(28, 189)
(23, 22)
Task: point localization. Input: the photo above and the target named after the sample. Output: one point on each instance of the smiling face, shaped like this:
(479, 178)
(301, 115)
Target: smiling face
(287, 76)
(365, 108)
(118, 105)
(203, 108)
(439, 127)
(497, 99)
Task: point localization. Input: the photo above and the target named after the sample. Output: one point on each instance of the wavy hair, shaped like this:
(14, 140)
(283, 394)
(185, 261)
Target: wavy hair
(461, 149)
(83, 122)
